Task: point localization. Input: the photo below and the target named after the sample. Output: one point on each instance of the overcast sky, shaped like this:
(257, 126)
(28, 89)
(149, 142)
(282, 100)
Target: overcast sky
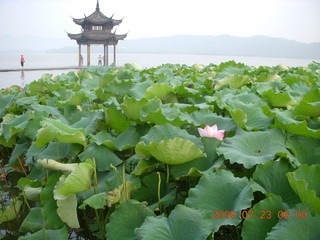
(292, 19)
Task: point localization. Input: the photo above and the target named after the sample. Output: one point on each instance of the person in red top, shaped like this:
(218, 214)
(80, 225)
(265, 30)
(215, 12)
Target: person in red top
(22, 60)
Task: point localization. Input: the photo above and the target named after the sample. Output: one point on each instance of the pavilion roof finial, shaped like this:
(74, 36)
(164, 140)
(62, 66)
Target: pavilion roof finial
(98, 7)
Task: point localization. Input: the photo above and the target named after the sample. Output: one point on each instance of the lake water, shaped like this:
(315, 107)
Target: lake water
(9, 61)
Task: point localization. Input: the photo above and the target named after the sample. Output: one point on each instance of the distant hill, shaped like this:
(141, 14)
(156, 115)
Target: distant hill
(257, 46)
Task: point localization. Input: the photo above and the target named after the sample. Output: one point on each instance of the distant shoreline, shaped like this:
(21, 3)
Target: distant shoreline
(223, 45)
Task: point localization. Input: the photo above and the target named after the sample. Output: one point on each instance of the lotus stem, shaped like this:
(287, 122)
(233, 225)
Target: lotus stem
(159, 191)
(95, 178)
(168, 173)
(124, 180)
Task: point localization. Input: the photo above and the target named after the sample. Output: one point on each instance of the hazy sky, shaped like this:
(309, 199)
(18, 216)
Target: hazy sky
(292, 19)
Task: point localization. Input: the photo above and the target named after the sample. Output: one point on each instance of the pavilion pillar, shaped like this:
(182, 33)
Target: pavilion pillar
(79, 55)
(106, 53)
(114, 55)
(88, 54)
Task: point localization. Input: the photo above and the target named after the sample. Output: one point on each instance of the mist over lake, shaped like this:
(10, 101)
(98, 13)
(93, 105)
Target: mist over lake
(47, 60)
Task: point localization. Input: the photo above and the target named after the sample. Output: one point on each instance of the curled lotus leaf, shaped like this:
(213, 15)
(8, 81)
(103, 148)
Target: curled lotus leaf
(55, 130)
(54, 165)
(77, 181)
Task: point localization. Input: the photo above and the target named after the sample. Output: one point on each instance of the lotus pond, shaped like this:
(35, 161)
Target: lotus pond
(174, 152)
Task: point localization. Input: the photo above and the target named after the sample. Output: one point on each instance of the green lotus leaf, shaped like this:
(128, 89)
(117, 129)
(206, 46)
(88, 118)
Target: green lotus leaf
(149, 191)
(16, 125)
(11, 212)
(139, 89)
(164, 114)
(33, 222)
(126, 140)
(203, 117)
(196, 167)
(67, 211)
(50, 234)
(251, 148)
(73, 98)
(271, 176)
(120, 227)
(199, 166)
(46, 110)
(53, 150)
(49, 204)
(220, 191)
(54, 165)
(119, 195)
(5, 102)
(66, 204)
(145, 165)
(305, 182)
(285, 120)
(132, 107)
(78, 180)
(162, 91)
(269, 77)
(173, 151)
(308, 108)
(17, 154)
(239, 117)
(167, 132)
(89, 122)
(116, 120)
(297, 227)
(233, 80)
(183, 223)
(53, 129)
(278, 99)
(32, 194)
(96, 201)
(103, 156)
(305, 150)
(251, 115)
(262, 218)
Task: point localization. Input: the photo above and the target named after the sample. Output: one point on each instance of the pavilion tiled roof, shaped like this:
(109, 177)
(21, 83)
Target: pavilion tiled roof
(97, 18)
(97, 36)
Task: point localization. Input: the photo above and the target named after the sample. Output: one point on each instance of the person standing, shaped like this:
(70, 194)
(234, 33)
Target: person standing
(100, 60)
(22, 60)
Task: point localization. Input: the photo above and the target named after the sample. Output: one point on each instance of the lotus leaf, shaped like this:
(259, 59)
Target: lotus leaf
(49, 234)
(78, 180)
(53, 129)
(183, 223)
(11, 211)
(251, 148)
(220, 191)
(262, 218)
(121, 227)
(271, 176)
(297, 227)
(305, 182)
(174, 151)
(54, 165)
(66, 204)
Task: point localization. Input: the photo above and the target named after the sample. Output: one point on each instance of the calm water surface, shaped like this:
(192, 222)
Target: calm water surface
(9, 61)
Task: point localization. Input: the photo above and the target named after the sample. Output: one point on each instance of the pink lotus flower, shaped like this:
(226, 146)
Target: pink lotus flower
(211, 132)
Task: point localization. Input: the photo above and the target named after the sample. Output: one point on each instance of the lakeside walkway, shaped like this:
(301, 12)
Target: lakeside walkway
(41, 69)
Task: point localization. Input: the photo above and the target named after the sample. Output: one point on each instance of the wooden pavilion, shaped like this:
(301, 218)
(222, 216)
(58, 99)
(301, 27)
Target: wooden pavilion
(96, 30)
